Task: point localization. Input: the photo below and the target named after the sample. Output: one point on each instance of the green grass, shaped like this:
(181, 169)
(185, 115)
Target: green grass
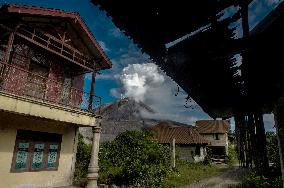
(187, 173)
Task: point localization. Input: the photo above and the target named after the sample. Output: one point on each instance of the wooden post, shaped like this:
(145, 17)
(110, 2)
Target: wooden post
(7, 53)
(9, 47)
(93, 170)
(92, 91)
(244, 13)
(251, 128)
(174, 152)
(237, 133)
(279, 122)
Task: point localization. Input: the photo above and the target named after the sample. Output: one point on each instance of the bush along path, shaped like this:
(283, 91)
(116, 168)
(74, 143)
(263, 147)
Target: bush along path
(132, 159)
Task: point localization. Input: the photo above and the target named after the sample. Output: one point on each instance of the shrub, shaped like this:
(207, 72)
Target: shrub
(134, 158)
(254, 180)
(273, 151)
(232, 155)
(83, 157)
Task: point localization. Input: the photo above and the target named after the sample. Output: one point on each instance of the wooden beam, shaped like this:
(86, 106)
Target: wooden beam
(53, 51)
(92, 91)
(9, 47)
(7, 53)
(47, 43)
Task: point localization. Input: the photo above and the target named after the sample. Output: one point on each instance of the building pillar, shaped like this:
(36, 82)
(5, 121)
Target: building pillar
(201, 153)
(279, 122)
(227, 144)
(93, 170)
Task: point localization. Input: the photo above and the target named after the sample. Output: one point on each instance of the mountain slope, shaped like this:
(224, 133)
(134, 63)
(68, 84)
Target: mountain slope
(125, 109)
(120, 116)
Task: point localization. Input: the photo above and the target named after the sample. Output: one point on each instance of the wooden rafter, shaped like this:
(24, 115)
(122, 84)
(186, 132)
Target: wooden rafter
(54, 45)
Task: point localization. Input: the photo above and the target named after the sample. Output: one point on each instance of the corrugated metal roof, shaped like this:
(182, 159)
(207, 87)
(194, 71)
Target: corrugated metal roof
(166, 132)
(212, 126)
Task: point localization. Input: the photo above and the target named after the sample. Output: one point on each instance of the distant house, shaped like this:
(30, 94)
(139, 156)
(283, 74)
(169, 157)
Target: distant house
(216, 132)
(190, 145)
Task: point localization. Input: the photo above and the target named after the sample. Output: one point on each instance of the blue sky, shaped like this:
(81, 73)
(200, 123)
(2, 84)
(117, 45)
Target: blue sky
(123, 53)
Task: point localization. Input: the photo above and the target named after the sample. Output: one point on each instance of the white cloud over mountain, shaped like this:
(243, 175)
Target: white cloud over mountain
(147, 83)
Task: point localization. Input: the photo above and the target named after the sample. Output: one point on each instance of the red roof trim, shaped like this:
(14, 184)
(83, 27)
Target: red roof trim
(59, 13)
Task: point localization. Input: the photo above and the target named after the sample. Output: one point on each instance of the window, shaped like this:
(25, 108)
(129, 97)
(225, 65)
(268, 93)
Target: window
(36, 151)
(37, 77)
(197, 150)
(216, 136)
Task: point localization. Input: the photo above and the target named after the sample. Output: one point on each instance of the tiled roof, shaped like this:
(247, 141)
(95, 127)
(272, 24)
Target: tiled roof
(165, 133)
(212, 126)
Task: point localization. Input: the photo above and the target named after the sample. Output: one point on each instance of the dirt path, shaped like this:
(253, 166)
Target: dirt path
(228, 179)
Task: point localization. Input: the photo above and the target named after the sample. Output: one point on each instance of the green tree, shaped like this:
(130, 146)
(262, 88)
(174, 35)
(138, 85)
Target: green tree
(83, 157)
(273, 150)
(134, 158)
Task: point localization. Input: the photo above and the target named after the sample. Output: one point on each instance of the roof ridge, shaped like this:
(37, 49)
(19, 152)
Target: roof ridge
(40, 7)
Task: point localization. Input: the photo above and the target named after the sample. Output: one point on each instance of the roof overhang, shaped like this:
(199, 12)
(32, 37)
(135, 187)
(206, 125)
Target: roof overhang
(71, 17)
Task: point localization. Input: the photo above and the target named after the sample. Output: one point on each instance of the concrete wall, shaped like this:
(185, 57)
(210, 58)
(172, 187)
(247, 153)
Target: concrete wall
(201, 157)
(8, 129)
(38, 108)
(223, 140)
(187, 152)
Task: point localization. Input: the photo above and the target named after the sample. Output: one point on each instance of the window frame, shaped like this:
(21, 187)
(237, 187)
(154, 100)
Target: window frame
(31, 152)
(216, 136)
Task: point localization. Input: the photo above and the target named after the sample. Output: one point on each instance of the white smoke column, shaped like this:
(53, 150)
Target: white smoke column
(137, 79)
(146, 83)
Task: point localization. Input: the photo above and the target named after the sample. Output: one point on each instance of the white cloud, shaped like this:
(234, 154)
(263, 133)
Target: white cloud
(115, 32)
(130, 55)
(228, 12)
(103, 46)
(137, 79)
(146, 83)
(105, 76)
(116, 92)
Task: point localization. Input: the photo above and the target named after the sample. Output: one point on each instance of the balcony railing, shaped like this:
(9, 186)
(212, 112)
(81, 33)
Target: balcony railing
(19, 81)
